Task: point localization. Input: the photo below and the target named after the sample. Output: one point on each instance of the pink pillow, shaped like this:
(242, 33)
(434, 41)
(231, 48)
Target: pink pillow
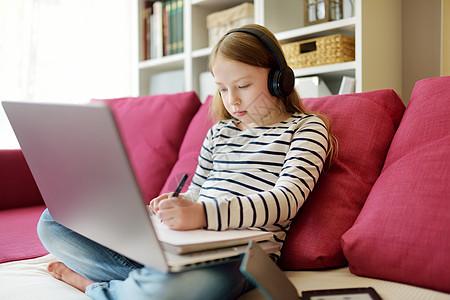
(190, 148)
(364, 125)
(153, 128)
(403, 231)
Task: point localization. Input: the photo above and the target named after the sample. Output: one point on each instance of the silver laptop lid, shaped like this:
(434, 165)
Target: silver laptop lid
(76, 155)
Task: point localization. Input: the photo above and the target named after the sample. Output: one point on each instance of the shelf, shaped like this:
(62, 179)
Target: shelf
(344, 26)
(215, 4)
(346, 67)
(331, 74)
(170, 62)
(377, 46)
(201, 52)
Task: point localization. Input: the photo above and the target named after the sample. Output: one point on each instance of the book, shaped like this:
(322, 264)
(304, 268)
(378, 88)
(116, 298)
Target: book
(177, 43)
(175, 23)
(146, 30)
(347, 85)
(182, 242)
(163, 29)
(157, 30)
(172, 27)
(167, 6)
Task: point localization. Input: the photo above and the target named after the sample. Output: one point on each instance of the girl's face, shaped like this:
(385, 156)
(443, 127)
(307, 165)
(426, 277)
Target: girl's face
(245, 94)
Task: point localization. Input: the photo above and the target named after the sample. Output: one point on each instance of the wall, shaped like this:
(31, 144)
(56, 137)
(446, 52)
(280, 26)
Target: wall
(421, 42)
(445, 38)
(381, 31)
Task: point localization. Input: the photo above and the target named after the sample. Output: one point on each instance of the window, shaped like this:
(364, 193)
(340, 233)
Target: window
(64, 51)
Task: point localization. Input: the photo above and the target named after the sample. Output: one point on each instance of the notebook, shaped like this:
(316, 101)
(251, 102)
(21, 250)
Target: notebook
(79, 162)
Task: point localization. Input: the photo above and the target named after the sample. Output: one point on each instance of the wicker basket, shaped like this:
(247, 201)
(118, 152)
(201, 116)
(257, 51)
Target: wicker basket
(320, 51)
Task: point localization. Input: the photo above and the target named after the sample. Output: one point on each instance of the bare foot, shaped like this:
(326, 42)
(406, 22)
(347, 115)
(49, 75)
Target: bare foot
(62, 272)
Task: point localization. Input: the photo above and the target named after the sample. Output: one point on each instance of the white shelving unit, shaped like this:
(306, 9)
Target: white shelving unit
(376, 26)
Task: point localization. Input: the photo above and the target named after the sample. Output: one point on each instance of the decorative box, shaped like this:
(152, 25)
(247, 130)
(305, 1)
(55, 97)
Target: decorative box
(220, 22)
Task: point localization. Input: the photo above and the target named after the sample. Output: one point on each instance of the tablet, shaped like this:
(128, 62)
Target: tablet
(265, 275)
(366, 293)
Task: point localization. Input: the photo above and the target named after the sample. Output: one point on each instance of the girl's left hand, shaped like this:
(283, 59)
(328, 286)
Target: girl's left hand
(153, 206)
(180, 213)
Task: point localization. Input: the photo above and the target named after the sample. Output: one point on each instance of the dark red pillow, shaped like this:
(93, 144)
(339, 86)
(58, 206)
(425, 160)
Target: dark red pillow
(364, 124)
(403, 231)
(17, 185)
(190, 148)
(153, 128)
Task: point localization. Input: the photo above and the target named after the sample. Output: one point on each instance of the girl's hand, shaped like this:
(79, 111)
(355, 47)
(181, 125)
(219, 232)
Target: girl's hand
(180, 213)
(153, 205)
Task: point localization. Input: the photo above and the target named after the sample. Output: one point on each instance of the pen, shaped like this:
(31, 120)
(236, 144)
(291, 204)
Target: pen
(180, 185)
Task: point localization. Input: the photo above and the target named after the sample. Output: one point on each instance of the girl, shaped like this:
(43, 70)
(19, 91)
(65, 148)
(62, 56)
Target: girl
(256, 168)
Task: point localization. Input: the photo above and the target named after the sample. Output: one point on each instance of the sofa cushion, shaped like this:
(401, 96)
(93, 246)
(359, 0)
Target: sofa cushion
(364, 124)
(153, 128)
(403, 231)
(19, 239)
(190, 148)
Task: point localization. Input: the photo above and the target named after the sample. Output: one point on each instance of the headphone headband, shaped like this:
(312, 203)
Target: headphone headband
(270, 44)
(281, 80)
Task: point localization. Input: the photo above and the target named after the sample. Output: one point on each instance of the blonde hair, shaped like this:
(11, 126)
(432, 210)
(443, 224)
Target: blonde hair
(248, 49)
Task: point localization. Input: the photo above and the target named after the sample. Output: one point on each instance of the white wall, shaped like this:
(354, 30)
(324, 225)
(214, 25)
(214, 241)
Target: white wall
(64, 51)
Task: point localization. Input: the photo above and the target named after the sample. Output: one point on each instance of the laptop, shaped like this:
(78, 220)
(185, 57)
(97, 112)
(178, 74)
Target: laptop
(79, 162)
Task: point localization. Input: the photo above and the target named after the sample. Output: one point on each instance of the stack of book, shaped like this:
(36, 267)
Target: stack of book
(162, 24)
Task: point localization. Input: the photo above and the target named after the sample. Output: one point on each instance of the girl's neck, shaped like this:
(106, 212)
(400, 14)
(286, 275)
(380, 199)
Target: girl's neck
(268, 120)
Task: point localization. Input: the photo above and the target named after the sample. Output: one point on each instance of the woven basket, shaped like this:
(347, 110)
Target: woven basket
(320, 51)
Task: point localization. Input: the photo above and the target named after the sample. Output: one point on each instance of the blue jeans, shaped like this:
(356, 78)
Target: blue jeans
(117, 277)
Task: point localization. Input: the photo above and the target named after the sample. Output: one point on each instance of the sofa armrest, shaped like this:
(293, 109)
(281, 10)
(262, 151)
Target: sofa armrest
(17, 185)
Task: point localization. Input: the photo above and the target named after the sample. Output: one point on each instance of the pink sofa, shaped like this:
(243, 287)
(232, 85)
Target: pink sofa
(382, 208)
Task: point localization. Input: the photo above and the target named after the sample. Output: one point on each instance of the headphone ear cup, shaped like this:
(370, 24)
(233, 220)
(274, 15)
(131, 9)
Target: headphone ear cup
(272, 82)
(287, 81)
(281, 82)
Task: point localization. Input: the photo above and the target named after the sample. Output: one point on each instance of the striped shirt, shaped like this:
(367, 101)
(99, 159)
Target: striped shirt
(259, 177)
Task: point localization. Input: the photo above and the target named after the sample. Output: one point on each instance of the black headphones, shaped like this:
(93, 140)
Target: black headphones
(281, 79)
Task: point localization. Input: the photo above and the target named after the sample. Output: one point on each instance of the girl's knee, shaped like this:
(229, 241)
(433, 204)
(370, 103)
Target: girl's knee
(47, 228)
(43, 222)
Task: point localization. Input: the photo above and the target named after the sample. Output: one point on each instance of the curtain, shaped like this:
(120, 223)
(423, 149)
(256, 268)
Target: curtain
(64, 51)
